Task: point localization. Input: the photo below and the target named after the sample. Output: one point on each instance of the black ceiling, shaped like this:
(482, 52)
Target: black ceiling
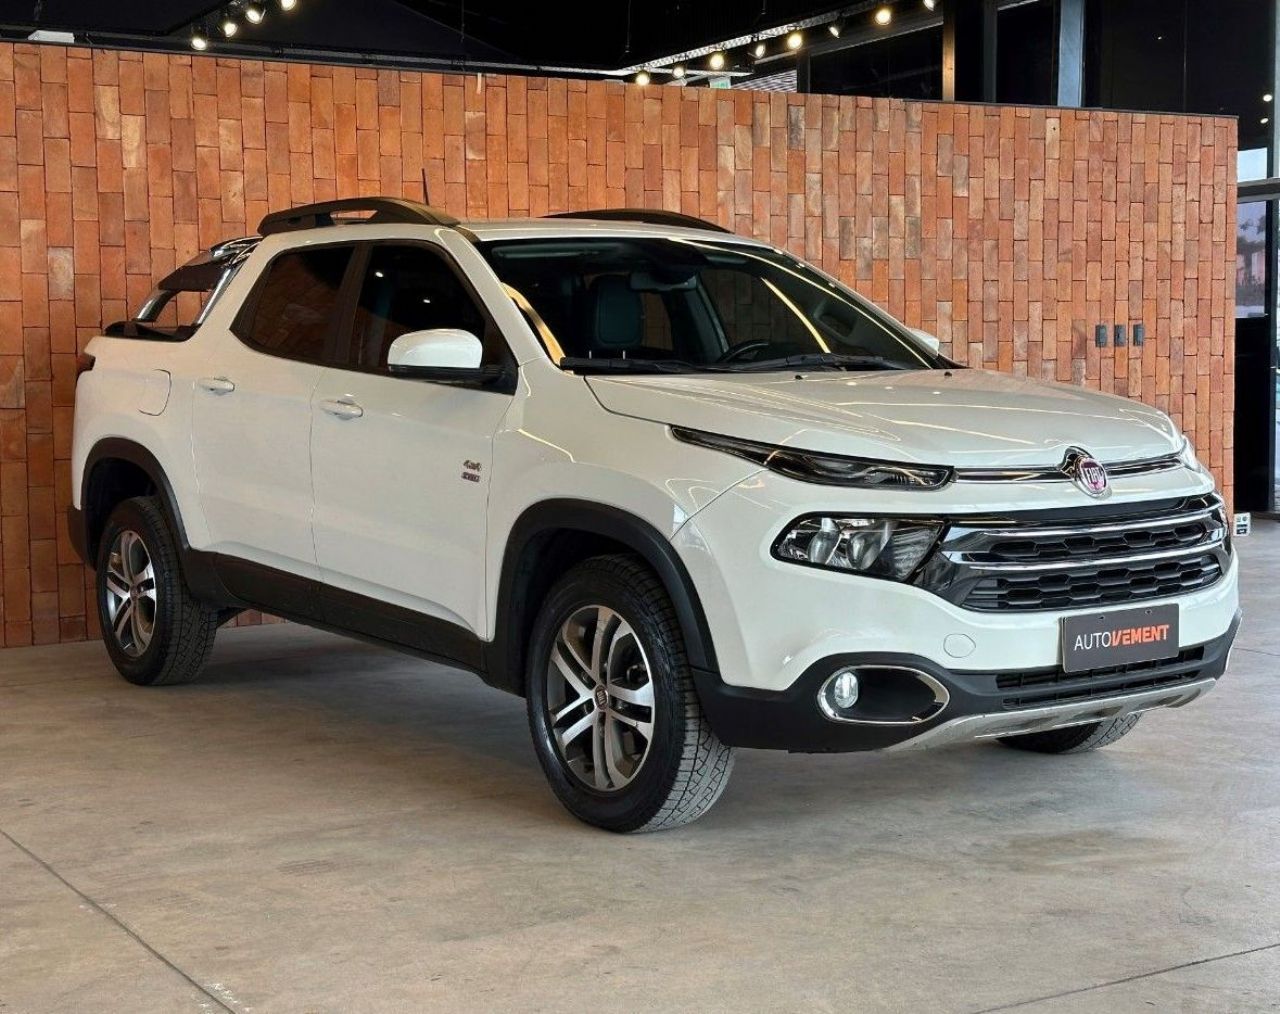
(603, 35)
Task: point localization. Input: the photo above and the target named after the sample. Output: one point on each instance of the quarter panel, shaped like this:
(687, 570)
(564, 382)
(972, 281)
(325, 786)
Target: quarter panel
(110, 400)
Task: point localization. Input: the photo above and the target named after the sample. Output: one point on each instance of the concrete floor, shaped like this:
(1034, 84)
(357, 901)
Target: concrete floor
(322, 826)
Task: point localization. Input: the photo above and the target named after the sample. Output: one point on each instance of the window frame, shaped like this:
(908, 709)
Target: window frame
(346, 313)
(249, 308)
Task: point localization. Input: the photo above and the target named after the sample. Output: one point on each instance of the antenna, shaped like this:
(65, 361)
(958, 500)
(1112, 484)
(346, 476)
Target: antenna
(426, 198)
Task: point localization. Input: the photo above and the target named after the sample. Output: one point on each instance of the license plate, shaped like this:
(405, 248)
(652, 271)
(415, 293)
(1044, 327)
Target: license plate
(1101, 640)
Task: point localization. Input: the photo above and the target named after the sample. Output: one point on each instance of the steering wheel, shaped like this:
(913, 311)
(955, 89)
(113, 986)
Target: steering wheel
(736, 352)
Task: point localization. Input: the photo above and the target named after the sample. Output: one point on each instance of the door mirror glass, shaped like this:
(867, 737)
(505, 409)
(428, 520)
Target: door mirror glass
(929, 341)
(442, 348)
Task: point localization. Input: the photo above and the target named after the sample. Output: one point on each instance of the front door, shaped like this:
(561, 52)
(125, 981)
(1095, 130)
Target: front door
(402, 466)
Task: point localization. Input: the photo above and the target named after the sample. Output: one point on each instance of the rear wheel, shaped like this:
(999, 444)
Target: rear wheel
(616, 721)
(154, 630)
(1074, 739)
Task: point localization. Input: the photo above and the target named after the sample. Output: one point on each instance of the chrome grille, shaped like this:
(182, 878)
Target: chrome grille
(1030, 562)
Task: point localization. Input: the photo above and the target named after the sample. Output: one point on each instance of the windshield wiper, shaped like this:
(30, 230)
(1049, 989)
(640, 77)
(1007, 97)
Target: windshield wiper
(831, 359)
(584, 364)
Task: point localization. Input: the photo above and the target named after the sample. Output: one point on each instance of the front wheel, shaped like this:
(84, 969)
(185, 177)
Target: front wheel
(615, 718)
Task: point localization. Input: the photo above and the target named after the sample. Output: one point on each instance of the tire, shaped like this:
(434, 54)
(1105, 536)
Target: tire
(138, 570)
(597, 758)
(1075, 738)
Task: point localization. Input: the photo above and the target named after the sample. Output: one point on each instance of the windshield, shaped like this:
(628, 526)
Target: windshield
(681, 305)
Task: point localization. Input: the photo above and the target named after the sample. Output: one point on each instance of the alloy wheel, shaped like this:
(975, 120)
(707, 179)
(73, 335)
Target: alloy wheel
(600, 699)
(130, 585)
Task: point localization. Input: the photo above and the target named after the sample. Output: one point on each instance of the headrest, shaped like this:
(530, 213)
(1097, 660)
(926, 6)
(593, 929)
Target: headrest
(615, 314)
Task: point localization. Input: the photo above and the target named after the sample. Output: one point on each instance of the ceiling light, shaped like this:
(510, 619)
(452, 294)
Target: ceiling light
(229, 26)
(759, 50)
(883, 16)
(1267, 97)
(717, 60)
(795, 40)
(834, 29)
(199, 40)
(643, 78)
(677, 71)
(930, 4)
(1265, 120)
(253, 13)
(288, 5)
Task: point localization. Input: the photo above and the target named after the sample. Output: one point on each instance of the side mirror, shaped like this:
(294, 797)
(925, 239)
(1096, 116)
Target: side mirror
(932, 342)
(441, 348)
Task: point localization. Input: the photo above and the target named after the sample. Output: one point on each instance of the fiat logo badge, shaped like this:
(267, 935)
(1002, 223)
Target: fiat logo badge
(1087, 472)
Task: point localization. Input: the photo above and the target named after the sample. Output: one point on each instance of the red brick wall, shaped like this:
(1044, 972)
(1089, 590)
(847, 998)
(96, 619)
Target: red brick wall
(1009, 231)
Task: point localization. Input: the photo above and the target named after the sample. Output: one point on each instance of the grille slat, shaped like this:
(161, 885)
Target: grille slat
(1055, 686)
(1094, 585)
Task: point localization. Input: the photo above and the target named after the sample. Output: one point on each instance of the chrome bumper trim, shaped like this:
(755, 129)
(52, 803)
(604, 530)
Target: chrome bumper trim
(1055, 716)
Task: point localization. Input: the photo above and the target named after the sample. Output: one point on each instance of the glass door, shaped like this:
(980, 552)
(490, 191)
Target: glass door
(1257, 427)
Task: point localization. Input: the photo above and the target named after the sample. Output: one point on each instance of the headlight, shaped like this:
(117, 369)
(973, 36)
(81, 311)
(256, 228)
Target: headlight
(1188, 457)
(877, 547)
(825, 469)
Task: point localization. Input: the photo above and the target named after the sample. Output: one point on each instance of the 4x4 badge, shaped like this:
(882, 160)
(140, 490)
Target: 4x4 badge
(471, 471)
(1087, 472)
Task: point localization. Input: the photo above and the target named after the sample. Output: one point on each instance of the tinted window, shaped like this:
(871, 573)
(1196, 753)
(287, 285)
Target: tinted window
(411, 288)
(296, 305)
(751, 311)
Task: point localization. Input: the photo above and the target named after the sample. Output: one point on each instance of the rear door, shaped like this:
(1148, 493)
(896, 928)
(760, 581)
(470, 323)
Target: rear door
(402, 466)
(252, 418)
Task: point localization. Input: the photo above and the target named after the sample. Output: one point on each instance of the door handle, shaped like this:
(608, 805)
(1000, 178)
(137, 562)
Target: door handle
(217, 385)
(342, 409)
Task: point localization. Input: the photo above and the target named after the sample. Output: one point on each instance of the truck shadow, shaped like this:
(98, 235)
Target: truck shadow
(429, 725)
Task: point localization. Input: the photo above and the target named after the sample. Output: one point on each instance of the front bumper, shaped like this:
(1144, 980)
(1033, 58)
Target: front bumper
(979, 705)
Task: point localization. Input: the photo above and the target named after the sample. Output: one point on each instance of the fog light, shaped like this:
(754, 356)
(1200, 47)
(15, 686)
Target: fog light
(844, 689)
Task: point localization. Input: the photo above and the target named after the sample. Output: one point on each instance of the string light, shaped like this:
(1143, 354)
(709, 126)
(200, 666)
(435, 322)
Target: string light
(883, 16)
(795, 40)
(643, 78)
(717, 60)
(677, 71)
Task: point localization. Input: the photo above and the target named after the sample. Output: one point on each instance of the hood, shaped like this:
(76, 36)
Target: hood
(963, 418)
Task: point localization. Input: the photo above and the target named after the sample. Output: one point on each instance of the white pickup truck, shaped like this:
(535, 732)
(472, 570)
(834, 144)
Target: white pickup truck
(680, 490)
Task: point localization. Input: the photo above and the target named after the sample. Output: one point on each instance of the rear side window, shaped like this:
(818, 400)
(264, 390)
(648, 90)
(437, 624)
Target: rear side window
(413, 288)
(295, 307)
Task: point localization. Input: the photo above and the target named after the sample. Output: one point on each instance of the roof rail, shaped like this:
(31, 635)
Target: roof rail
(651, 216)
(384, 209)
